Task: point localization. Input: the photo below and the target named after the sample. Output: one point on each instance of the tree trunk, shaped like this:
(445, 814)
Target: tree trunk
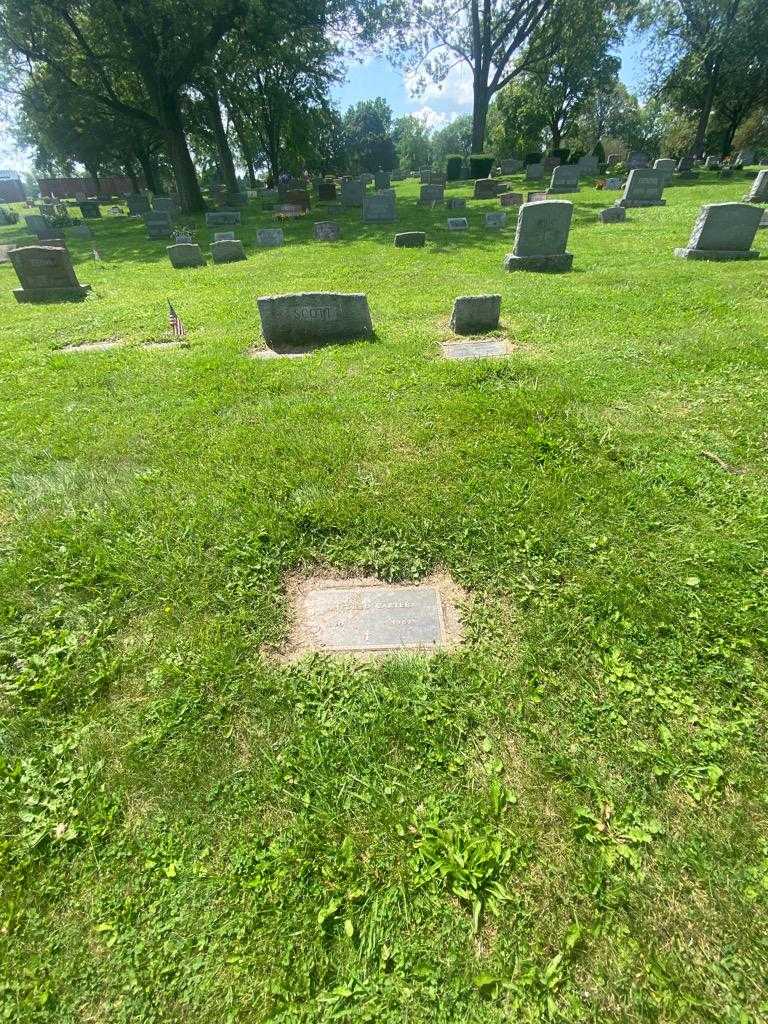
(94, 173)
(479, 115)
(245, 148)
(190, 197)
(148, 169)
(704, 114)
(130, 170)
(556, 136)
(226, 163)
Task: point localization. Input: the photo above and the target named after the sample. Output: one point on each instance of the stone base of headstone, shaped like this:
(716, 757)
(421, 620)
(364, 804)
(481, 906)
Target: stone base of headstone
(410, 239)
(562, 190)
(74, 294)
(632, 204)
(559, 262)
(717, 255)
(612, 215)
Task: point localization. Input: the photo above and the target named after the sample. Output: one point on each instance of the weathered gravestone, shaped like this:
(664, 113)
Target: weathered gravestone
(536, 197)
(381, 180)
(711, 163)
(137, 204)
(158, 224)
(431, 194)
(167, 204)
(327, 231)
(269, 197)
(615, 184)
(456, 203)
(373, 618)
(216, 217)
(36, 223)
(511, 198)
(298, 197)
(723, 231)
(228, 250)
(637, 160)
(410, 239)
(488, 188)
(224, 236)
(458, 223)
(379, 207)
(549, 163)
(80, 231)
(237, 199)
(186, 254)
(511, 166)
(564, 179)
(541, 237)
(89, 209)
(326, 191)
(747, 157)
(613, 158)
(270, 238)
(497, 219)
(764, 220)
(352, 193)
(588, 165)
(757, 194)
(476, 313)
(534, 171)
(685, 168)
(46, 275)
(612, 215)
(665, 168)
(5, 250)
(644, 187)
(314, 317)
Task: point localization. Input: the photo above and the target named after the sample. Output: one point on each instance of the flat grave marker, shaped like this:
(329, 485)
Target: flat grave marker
(489, 349)
(458, 223)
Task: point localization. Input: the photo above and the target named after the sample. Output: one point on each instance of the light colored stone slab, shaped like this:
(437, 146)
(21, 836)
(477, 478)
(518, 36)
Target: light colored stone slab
(490, 349)
(314, 317)
(376, 618)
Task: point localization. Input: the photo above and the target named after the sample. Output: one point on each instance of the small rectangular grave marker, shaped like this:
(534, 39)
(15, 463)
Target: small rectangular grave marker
(374, 618)
(228, 250)
(458, 223)
(186, 254)
(497, 219)
(431, 194)
(410, 239)
(270, 237)
(491, 349)
(644, 187)
(476, 313)
(379, 207)
(212, 219)
(327, 231)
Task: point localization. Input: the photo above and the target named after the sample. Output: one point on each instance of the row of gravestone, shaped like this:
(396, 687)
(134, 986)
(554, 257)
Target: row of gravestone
(722, 231)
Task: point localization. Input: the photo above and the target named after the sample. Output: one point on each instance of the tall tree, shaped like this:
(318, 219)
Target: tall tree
(412, 143)
(368, 135)
(129, 56)
(497, 40)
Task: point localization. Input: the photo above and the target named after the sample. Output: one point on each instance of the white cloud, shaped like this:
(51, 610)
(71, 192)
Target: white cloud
(456, 86)
(432, 118)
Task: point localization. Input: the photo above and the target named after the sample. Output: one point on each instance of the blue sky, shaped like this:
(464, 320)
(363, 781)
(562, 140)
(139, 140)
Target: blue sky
(437, 106)
(375, 77)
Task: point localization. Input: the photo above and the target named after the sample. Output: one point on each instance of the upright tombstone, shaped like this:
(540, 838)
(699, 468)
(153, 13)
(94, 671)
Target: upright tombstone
(410, 239)
(46, 275)
(723, 231)
(298, 197)
(475, 313)
(456, 203)
(327, 231)
(488, 188)
(711, 163)
(747, 157)
(497, 219)
(158, 224)
(541, 237)
(270, 238)
(549, 163)
(379, 207)
(665, 168)
(313, 317)
(613, 158)
(167, 204)
(565, 179)
(36, 223)
(511, 198)
(458, 223)
(644, 188)
(352, 193)
(429, 194)
(227, 250)
(138, 204)
(381, 180)
(326, 191)
(757, 194)
(612, 215)
(534, 171)
(588, 165)
(511, 166)
(224, 236)
(186, 254)
(637, 161)
(269, 197)
(89, 209)
(222, 217)
(685, 168)
(80, 231)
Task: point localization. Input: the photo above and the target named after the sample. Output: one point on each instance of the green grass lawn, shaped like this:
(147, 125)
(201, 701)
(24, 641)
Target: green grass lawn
(192, 831)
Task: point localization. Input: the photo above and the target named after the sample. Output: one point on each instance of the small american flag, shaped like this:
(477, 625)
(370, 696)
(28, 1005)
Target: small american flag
(179, 331)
